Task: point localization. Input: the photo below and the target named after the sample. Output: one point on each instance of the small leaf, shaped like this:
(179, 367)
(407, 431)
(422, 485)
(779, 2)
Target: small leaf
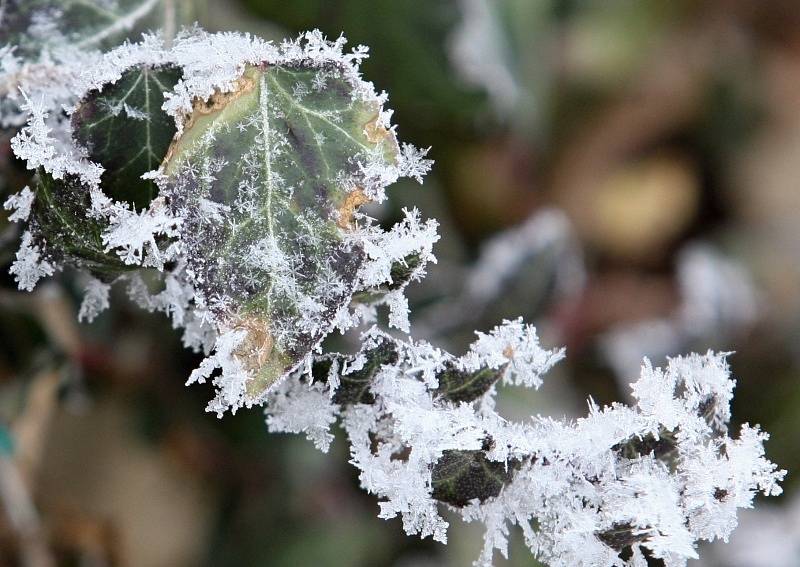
(354, 388)
(124, 129)
(402, 271)
(461, 476)
(276, 159)
(462, 386)
(622, 536)
(401, 274)
(59, 215)
(664, 447)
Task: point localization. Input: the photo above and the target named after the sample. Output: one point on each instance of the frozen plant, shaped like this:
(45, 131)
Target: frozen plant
(240, 183)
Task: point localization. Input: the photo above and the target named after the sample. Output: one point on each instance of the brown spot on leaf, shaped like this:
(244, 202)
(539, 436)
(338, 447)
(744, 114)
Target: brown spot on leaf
(375, 132)
(258, 345)
(352, 202)
(215, 102)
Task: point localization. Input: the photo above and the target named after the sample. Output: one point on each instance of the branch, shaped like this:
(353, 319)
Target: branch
(650, 479)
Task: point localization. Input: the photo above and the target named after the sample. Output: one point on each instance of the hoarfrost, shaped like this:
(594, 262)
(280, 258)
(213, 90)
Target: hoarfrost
(656, 476)
(30, 265)
(586, 485)
(95, 300)
(20, 203)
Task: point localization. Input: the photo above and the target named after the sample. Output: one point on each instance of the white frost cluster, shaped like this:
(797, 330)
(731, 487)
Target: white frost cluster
(21, 204)
(654, 478)
(409, 241)
(30, 265)
(95, 300)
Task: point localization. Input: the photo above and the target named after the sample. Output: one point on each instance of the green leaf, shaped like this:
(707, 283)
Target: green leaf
(276, 158)
(461, 476)
(664, 447)
(354, 388)
(124, 129)
(461, 386)
(59, 216)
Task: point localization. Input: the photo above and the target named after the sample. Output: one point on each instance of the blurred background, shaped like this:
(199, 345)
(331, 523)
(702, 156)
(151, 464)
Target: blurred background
(625, 174)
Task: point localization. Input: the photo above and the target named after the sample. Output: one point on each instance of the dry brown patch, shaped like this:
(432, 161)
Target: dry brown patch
(258, 345)
(352, 202)
(215, 103)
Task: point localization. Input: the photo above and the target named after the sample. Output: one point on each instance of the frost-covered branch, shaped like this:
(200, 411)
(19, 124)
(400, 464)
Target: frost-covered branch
(624, 481)
(240, 183)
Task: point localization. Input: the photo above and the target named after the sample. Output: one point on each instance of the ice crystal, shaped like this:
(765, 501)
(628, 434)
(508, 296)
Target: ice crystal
(30, 266)
(95, 300)
(20, 203)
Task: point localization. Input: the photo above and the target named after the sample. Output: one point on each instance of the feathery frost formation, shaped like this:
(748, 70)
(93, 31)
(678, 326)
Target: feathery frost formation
(240, 186)
(612, 488)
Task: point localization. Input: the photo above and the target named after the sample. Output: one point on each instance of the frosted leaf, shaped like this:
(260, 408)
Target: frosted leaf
(103, 118)
(20, 203)
(407, 244)
(49, 44)
(278, 265)
(46, 25)
(661, 475)
(517, 345)
(258, 193)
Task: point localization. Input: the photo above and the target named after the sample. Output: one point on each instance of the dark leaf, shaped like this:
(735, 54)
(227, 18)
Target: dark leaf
(124, 130)
(462, 386)
(461, 476)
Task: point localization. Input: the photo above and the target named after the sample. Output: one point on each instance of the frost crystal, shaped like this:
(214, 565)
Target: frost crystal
(95, 300)
(296, 407)
(20, 204)
(29, 266)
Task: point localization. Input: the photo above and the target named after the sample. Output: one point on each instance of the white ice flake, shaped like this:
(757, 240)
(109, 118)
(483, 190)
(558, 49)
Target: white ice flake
(30, 266)
(295, 407)
(95, 300)
(133, 236)
(20, 203)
